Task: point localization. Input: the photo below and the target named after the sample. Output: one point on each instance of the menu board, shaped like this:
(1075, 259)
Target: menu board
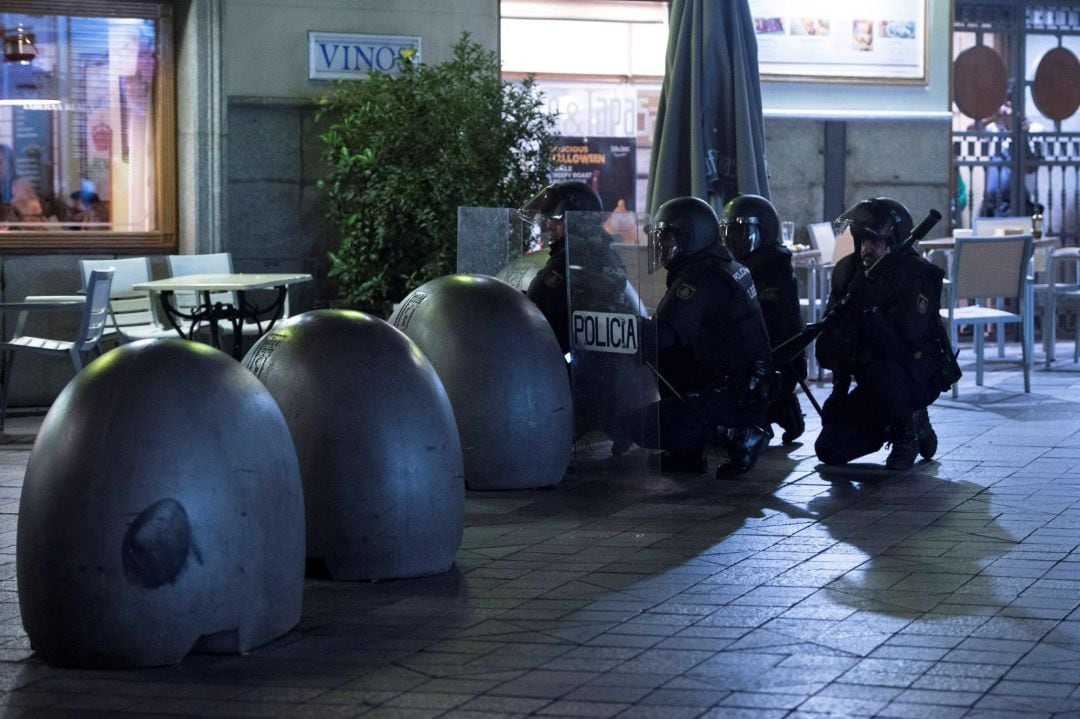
(842, 40)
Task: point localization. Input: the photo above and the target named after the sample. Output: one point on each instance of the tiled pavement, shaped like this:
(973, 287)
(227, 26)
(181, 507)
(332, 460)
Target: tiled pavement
(951, 590)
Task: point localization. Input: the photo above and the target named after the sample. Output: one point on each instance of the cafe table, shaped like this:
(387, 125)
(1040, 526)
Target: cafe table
(235, 313)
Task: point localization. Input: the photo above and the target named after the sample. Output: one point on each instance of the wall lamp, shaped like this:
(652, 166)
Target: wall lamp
(19, 46)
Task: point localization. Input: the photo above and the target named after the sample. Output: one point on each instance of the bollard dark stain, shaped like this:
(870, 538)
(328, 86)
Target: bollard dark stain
(157, 544)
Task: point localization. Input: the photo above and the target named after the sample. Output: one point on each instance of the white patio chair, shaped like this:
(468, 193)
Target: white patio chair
(95, 310)
(1058, 291)
(984, 268)
(996, 226)
(131, 312)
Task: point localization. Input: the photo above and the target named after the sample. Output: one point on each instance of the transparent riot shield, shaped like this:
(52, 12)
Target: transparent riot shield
(611, 295)
(497, 241)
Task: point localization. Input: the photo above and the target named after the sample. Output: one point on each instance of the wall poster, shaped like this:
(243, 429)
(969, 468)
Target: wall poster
(607, 164)
(881, 41)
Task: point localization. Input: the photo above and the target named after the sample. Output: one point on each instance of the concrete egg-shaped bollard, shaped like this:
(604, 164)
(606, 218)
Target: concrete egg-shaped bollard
(161, 512)
(504, 372)
(378, 447)
(519, 272)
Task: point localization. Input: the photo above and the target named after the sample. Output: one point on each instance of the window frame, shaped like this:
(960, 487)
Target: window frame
(164, 239)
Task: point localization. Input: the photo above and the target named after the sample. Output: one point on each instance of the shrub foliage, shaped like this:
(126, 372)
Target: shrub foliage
(404, 151)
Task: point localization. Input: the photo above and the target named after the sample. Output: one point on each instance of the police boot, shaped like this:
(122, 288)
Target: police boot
(743, 445)
(787, 413)
(925, 434)
(905, 446)
(692, 462)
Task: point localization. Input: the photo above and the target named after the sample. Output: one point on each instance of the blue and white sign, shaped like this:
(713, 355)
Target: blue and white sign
(349, 56)
(605, 332)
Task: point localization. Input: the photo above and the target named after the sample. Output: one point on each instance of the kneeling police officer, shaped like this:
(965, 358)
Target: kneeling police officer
(712, 348)
(750, 229)
(888, 339)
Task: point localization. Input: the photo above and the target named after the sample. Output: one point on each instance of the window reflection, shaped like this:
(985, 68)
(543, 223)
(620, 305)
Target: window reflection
(77, 126)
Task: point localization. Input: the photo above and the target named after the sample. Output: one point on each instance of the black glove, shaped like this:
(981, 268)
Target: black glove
(759, 388)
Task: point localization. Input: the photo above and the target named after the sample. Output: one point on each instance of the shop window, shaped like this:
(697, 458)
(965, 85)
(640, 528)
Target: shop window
(605, 93)
(87, 115)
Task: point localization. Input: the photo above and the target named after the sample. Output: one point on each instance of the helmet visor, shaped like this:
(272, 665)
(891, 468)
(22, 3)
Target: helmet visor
(538, 230)
(663, 245)
(860, 231)
(741, 235)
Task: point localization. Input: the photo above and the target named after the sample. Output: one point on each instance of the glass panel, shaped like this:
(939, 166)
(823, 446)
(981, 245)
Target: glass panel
(612, 375)
(77, 123)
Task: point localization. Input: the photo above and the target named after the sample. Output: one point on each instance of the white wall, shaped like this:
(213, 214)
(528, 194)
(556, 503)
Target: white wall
(265, 41)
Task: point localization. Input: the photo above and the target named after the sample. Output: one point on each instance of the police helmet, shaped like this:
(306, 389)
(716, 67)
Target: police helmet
(550, 204)
(876, 218)
(561, 197)
(681, 227)
(747, 223)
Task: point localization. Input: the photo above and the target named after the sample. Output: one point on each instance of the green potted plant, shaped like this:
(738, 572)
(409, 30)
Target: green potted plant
(404, 151)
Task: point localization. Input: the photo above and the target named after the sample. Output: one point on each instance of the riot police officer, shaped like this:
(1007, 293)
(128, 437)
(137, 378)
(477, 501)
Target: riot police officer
(603, 274)
(604, 385)
(750, 229)
(887, 338)
(711, 346)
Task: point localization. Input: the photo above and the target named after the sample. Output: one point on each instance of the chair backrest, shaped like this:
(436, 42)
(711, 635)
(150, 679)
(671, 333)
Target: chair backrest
(832, 247)
(128, 271)
(845, 245)
(822, 239)
(990, 266)
(216, 263)
(988, 226)
(96, 315)
(133, 311)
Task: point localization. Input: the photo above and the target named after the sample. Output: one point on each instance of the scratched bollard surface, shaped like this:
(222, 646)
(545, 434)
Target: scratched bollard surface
(161, 511)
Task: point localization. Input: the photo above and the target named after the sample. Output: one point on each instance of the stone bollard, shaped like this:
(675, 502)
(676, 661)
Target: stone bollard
(161, 512)
(378, 447)
(504, 372)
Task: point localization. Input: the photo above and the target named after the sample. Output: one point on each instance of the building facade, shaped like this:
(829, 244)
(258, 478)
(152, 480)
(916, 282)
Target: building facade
(247, 147)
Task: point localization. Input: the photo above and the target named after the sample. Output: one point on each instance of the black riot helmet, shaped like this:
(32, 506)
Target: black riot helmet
(543, 213)
(562, 197)
(681, 227)
(747, 223)
(876, 218)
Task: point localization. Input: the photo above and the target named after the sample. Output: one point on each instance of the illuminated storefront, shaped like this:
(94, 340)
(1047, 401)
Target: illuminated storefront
(87, 122)
(600, 64)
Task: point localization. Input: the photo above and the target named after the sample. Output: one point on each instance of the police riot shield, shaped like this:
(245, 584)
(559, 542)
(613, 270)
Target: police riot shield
(611, 296)
(499, 242)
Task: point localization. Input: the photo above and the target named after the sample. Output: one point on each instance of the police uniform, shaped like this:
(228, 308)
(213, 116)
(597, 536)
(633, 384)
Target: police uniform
(711, 343)
(599, 281)
(605, 385)
(778, 294)
(888, 340)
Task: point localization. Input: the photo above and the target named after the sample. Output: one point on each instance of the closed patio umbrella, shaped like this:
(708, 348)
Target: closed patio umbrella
(709, 140)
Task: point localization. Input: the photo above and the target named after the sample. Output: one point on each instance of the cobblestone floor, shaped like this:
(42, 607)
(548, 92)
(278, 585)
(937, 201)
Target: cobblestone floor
(951, 590)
